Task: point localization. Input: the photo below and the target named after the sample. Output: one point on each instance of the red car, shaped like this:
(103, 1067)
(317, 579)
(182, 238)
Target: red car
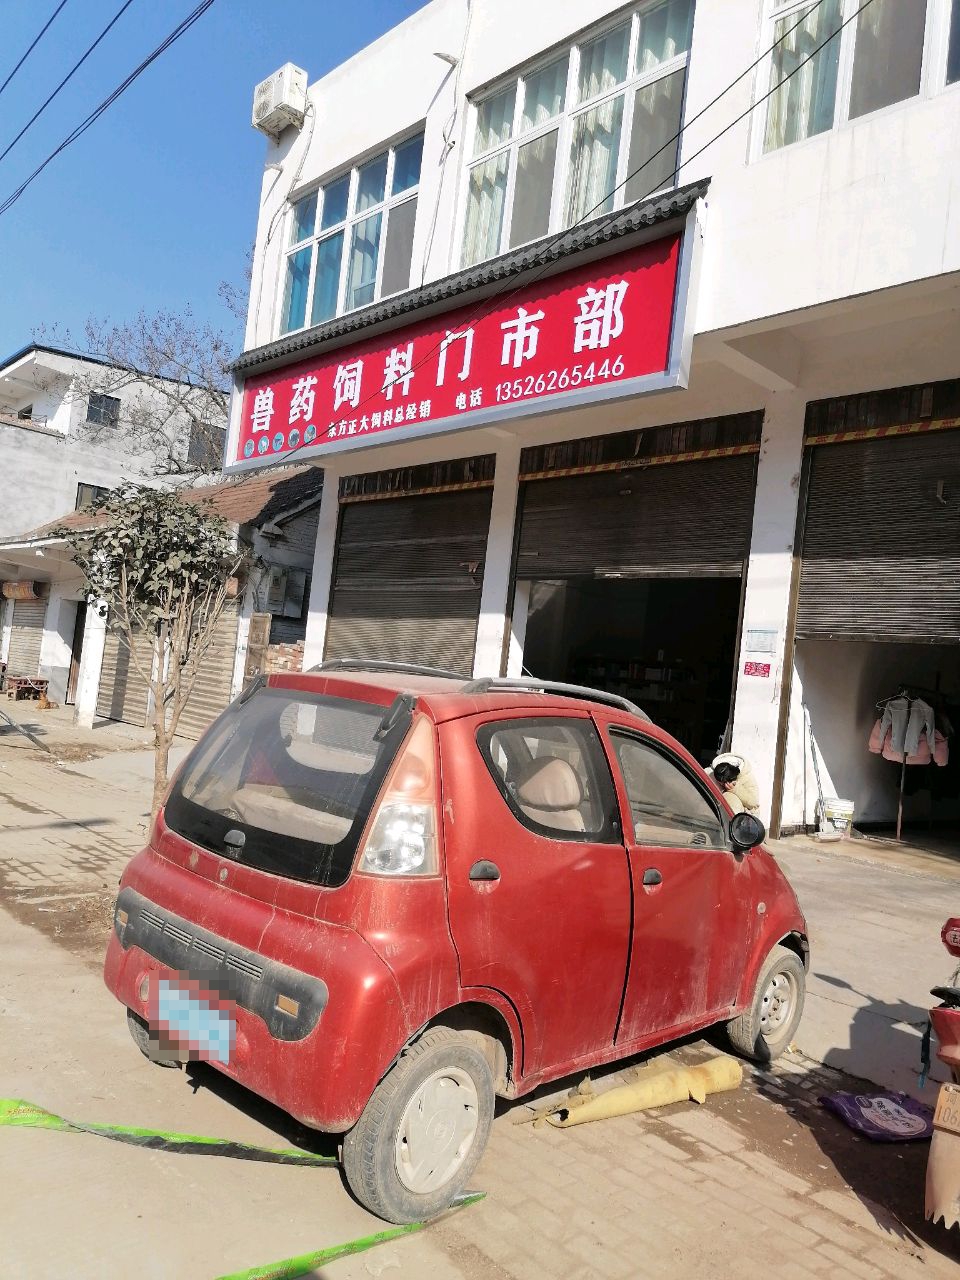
(381, 897)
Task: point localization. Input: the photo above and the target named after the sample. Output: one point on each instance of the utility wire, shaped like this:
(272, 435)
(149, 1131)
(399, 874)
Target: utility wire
(502, 295)
(98, 111)
(69, 76)
(36, 41)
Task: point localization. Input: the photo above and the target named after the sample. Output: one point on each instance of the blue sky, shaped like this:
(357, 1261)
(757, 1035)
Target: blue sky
(156, 203)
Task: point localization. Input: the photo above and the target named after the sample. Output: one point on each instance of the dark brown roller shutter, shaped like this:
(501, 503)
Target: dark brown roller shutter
(26, 636)
(408, 578)
(881, 541)
(685, 519)
(123, 693)
(211, 689)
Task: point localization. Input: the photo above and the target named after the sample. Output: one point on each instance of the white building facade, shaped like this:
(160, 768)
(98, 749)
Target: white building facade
(71, 429)
(747, 520)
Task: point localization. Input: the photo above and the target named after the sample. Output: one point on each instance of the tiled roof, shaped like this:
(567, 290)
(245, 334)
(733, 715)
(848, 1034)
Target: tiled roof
(248, 500)
(645, 213)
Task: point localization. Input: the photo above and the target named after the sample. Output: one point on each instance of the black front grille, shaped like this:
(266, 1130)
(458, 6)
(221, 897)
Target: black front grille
(250, 980)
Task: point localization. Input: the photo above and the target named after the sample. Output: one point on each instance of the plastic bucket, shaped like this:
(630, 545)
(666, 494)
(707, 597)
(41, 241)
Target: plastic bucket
(838, 814)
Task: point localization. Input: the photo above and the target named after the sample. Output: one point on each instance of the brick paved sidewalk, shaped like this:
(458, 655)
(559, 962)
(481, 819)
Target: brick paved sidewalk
(759, 1182)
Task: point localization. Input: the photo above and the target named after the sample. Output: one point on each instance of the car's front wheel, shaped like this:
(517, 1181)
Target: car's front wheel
(765, 1029)
(424, 1129)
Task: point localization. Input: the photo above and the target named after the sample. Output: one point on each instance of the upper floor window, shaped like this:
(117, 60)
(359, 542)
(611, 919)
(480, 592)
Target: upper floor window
(206, 445)
(103, 411)
(824, 73)
(553, 146)
(351, 241)
(88, 495)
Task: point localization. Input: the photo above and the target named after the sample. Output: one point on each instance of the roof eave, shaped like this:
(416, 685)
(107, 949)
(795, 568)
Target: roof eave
(628, 224)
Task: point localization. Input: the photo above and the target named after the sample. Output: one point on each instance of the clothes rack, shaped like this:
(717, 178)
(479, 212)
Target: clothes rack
(912, 693)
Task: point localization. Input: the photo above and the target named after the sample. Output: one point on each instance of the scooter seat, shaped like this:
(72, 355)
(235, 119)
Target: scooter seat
(949, 995)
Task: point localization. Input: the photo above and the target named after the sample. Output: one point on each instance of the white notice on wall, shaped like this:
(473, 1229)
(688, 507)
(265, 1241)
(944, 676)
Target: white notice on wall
(761, 640)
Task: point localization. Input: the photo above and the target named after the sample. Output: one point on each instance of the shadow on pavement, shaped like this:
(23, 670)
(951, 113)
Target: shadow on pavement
(886, 1177)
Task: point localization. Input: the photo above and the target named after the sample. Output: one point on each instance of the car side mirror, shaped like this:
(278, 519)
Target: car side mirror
(746, 832)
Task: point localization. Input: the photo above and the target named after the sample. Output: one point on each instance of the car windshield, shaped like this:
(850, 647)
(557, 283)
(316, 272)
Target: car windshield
(284, 782)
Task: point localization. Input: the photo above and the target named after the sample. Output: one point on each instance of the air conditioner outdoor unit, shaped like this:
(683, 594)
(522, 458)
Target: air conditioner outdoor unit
(280, 101)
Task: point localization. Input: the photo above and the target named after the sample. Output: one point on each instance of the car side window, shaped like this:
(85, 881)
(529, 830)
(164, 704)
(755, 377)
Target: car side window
(553, 775)
(668, 808)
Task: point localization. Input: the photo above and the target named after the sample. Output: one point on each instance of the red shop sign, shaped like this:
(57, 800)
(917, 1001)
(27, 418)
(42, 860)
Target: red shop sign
(608, 329)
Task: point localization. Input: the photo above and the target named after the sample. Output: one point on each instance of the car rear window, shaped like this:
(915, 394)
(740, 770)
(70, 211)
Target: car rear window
(284, 781)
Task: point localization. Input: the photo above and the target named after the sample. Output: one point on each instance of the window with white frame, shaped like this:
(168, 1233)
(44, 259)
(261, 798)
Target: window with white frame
(953, 48)
(553, 145)
(351, 241)
(824, 73)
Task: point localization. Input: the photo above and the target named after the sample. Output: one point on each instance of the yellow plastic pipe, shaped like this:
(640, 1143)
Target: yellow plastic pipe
(656, 1088)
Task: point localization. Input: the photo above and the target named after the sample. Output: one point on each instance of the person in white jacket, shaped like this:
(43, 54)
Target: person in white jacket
(736, 780)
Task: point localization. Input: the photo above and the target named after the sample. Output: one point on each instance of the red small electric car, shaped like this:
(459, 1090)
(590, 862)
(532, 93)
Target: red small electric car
(380, 897)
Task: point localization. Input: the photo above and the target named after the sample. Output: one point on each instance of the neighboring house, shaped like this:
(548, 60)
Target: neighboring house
(50, 631)
(72, 427)
(677, 417)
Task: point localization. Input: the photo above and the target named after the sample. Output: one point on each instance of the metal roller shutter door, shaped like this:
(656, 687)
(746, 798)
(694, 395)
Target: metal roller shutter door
(881, 541)
(211, 690)
(408, 579)
(685, 519)
(123, 693)
(26, 636)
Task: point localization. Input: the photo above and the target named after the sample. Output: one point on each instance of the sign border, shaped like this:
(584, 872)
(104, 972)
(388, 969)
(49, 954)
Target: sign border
(674, 378)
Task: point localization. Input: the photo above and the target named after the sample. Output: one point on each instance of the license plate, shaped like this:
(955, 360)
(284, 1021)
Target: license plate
(196, 1019)
(947, 1114)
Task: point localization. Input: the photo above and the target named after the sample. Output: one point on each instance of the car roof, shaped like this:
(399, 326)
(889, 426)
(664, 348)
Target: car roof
(448, 697)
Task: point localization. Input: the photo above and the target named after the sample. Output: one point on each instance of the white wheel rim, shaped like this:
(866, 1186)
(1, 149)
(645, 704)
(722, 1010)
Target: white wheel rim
(777, 1004)
(437, 1130)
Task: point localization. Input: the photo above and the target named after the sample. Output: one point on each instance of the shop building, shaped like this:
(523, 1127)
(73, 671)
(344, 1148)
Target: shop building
(673, 416)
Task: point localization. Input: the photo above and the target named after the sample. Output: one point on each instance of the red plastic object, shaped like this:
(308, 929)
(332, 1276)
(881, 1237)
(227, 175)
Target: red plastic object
(950, 935)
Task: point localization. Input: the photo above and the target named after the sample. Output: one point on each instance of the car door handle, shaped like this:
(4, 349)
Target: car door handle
(484, 870)
(652, 876)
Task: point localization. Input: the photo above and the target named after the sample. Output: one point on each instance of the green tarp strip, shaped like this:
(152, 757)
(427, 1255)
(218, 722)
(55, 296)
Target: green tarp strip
(18, 1112)
(291, 1268)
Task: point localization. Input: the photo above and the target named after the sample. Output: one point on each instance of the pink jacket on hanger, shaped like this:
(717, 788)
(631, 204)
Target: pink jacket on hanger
(883, 745)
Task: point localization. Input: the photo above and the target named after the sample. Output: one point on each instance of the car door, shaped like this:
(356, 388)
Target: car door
(538, 879)
(693, 902)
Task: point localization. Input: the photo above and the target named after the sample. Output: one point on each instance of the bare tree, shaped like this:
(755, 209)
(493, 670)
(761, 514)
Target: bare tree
(170, 374)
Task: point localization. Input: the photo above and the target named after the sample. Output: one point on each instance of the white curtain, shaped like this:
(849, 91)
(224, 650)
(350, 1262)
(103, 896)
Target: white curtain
(803, 105)
(593, 160)
(488, 188)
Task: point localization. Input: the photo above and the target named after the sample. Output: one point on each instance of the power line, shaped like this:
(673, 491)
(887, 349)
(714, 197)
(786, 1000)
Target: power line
(98, 111)
(501, 295)
(36, 41)
(69, 76)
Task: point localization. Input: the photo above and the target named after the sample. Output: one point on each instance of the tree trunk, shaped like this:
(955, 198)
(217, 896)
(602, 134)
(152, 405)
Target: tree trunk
(161, 756)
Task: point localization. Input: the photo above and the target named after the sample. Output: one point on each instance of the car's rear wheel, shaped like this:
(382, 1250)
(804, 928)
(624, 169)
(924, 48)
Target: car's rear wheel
(149, 1044)
(424, 1129)
(765, 1029)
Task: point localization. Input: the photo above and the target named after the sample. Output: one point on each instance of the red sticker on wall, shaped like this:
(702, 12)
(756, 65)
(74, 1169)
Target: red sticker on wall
(756, 669)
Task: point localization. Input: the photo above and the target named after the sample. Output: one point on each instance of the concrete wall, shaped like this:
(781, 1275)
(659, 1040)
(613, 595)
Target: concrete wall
(57, 643)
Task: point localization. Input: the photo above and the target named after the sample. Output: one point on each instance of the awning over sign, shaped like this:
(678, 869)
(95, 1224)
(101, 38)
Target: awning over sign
(605, 328)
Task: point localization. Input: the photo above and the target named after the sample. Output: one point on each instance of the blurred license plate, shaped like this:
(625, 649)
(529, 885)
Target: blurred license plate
(196, 1020)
